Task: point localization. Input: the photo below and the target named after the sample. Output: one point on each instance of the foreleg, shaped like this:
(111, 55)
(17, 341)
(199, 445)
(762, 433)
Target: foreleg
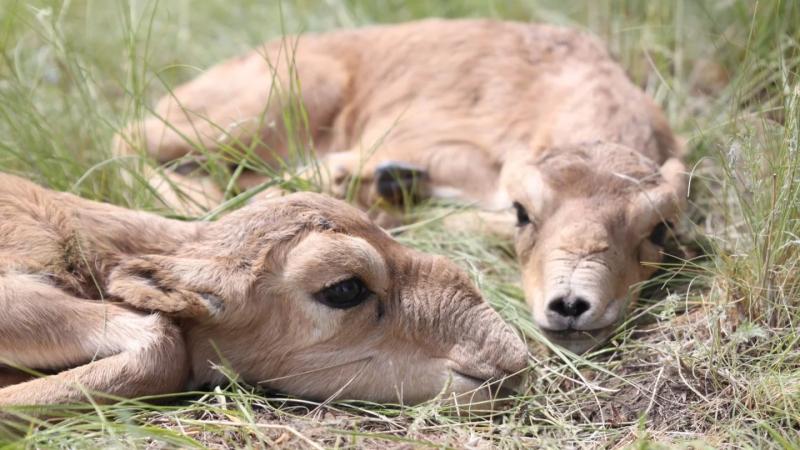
(106, 348)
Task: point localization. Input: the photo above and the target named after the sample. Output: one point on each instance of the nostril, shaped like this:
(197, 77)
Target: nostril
(569, 306)
(580, 306)
(558, 306)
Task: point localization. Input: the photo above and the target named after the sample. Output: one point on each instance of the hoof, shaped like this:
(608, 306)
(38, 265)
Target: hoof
(401, 183)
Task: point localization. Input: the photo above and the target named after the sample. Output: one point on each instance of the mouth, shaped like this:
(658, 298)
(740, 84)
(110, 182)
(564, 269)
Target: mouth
(474, 379)
(497, 387)
(579, 340)
(572, 333)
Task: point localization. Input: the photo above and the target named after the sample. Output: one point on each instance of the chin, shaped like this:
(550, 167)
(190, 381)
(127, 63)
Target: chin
(579, 341)
(475, 396)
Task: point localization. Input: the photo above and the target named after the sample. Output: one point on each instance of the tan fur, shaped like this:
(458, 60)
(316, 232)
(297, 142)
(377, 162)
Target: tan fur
(469, 102)
(237, 292)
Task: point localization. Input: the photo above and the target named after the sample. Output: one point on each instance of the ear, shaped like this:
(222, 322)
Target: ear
(673, 171)
(523, 182)
(665, 200)
(179, 287)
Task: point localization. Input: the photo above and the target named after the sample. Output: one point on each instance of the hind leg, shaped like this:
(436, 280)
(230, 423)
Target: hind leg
(238, 105)
(106, 348)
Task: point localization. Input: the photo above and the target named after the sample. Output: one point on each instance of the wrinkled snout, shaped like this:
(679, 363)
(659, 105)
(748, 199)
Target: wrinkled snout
(452, 319)
(577, 284)
(575, 302)
(489, 349)
(577, 295)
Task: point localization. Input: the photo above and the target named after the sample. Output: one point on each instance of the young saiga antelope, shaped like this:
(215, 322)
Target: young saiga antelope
(302, 294)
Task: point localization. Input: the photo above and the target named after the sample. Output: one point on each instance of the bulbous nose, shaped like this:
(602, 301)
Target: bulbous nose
(569, 306)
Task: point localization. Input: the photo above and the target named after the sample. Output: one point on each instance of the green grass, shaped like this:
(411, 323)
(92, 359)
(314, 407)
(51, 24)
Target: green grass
(724, 374)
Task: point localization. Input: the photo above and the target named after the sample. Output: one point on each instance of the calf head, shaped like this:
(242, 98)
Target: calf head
(305, 295)
(591, 221)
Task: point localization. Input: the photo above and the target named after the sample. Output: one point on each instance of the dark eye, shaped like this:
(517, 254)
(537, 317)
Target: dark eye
(522, 215)
(344, 294)
(659, 234)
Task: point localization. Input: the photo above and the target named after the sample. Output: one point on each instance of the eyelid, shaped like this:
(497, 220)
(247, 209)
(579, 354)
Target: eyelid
(341, 279)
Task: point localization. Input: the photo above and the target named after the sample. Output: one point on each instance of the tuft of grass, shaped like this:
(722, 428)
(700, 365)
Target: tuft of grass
(710, 357)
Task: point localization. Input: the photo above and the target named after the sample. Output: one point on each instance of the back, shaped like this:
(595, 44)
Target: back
(493, 86)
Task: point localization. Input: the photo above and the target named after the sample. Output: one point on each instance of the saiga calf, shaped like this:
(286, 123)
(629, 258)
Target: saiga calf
(302, 294)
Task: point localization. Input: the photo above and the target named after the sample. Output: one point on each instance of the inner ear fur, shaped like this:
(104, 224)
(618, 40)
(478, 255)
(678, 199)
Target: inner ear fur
(179, 287)
(526, 184)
